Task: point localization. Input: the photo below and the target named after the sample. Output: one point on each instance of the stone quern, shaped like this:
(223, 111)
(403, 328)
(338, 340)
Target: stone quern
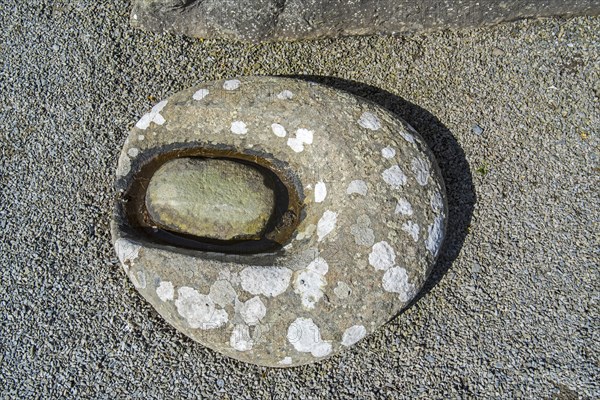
(274, 220)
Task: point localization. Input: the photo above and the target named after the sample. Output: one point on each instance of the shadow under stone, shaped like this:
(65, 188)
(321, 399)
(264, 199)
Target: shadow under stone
(450, 158)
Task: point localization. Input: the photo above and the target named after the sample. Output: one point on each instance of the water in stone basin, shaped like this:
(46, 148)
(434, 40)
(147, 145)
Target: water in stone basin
(211, 198)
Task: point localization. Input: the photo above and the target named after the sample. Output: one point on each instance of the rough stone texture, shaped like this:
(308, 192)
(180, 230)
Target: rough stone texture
(510, 310)
(216, 199)
(256, 20)
(281, 308)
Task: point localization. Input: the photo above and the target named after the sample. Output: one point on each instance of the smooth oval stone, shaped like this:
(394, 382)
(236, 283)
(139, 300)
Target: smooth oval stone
(371, 224)
(210, 198)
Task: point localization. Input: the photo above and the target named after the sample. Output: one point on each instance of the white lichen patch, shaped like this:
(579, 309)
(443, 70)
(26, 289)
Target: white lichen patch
(395, 280)
(357, 186)
(232, 84)
(268, 281)
(437, 203)
(240, 338)
(133, 152)
(239, 128)
(278, 130)
(200, 94)
(305, 336)
(394, 177)
(382, 256)
(127, 251)
(253, 310)
(369, 121)
(320, 192)
(407, 136)
(403, 207)
(353, 335)
(388, 152)
(435, 236)
(285, 361)
(342, 290)
(222, 293)
(285, 95)
(303, 136)
(310, 282)
(420, 168)
(165, 291)
(412, 229)
(152, 116)
(326, 224)
(198, 309)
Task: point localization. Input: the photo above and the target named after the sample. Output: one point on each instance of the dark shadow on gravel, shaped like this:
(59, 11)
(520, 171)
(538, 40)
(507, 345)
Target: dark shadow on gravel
(450, 157)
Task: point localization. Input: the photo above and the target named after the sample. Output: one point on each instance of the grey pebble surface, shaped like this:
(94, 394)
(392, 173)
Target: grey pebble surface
(512, 308)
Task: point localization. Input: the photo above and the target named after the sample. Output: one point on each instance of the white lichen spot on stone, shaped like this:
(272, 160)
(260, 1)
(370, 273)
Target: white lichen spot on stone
(198, 309)
(407, 136)
(369, 121)
(268, 281)
(320, 192)
(133, 152)
(395, 280)
(435, 236)
(403, 207)
(303, 136)
(127, 251)
(239, 128)
(200, 94)
(124, 165)
(278, 130)
(231, 84)
(152, 116)
(305, 336)
(353, 335)
(285, 361)
(285, 95)
(141, 138)
(394, 177)
(437, 203)
(326, 224)
(420, 168)
(240, 338)
(342, 290)
(310, 282)
(165, 291)
(253, 310)
(388, 152)
(222, 293)
(382, 256)
(412, 229)
(357, 186)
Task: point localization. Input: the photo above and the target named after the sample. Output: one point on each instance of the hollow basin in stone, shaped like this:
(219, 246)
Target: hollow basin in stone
(274, 220)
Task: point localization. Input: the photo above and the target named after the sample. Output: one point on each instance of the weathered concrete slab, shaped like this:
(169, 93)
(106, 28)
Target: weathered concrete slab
(267, 20)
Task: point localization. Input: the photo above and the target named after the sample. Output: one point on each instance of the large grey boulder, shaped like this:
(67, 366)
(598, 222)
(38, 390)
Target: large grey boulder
(358, 219)
(260, 20)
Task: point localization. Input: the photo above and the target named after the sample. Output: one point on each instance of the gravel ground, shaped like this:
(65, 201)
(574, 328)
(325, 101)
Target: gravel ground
(512, 114)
